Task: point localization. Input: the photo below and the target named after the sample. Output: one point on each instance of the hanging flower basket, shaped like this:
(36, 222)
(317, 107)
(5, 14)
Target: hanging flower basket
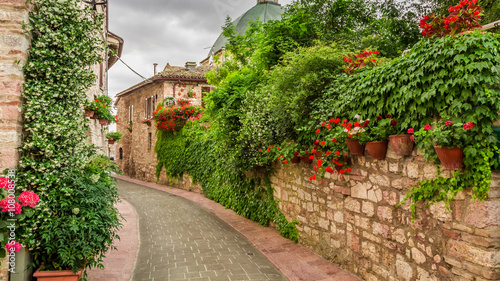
(103, 121)
(355, 147)
(111, 141)
(451, 158)
(53, 275)
(89, 113)
(377, 149)
(401, 144)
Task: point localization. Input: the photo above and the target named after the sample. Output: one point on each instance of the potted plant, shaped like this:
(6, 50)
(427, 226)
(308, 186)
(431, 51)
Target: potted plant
(377, 135)
(82, 224)
(90, 109)
(114, 136)
(353, 133)
(448, 139)
(147, 122)
(129, 127)
(402, 144)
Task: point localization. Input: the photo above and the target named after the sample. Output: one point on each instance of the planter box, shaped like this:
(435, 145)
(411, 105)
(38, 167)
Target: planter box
(58, 275)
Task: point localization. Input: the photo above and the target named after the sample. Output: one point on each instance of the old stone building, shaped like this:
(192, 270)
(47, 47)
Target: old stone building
(265, 10)
(135, 152)
(14, 45)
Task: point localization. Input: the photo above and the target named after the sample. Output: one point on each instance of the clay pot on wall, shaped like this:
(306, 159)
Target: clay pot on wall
(305, 159)
(295, 159)
(355, 147)
(111, 141)
(103, 121)
(451, 158)
(54, 275)
(401, 144)
(377, 149)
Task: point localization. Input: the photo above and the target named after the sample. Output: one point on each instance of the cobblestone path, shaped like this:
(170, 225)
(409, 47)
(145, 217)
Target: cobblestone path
(179, 240)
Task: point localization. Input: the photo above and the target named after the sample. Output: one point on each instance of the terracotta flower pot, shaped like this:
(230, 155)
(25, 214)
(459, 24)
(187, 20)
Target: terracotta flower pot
(305, 159)
(103, 121)
(345, 161)
(451, 158)
(111, 141)
(355, 147)
(318, 154)
(401, 144)
(295, 159)
(89, 113)
(377, 149)
(94, 116)
(58, 275)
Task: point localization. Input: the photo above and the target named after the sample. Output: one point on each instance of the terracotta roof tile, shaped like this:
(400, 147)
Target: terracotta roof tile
(182, 72)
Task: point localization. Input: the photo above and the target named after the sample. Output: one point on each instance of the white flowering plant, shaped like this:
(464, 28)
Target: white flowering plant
(75, 221)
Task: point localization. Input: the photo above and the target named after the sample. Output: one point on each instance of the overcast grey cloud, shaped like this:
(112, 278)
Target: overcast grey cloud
(161, 31)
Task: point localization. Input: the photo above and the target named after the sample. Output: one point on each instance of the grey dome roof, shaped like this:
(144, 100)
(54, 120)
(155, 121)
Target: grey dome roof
(263, 11)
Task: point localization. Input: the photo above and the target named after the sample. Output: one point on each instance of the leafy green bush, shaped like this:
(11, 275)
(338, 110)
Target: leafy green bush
(114, 135)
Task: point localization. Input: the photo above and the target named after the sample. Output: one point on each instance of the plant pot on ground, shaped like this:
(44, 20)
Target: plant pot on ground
(377, 149)
(451, 158)
(58, 275)
(401, 144)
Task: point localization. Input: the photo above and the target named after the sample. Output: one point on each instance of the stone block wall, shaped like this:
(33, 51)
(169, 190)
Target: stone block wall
(13, 54)
(354, 221)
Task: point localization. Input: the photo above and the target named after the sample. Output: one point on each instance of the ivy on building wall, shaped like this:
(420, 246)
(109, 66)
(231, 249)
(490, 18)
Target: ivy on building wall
(76, 221)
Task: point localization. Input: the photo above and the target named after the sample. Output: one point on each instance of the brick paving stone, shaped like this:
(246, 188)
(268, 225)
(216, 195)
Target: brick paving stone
(179, 240)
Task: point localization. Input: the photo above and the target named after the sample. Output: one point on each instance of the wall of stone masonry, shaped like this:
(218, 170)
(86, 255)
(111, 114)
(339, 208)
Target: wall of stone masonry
(13, 47)
(354, 221)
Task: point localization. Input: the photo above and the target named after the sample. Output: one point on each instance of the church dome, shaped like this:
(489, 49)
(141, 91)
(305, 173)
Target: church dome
(265, 10)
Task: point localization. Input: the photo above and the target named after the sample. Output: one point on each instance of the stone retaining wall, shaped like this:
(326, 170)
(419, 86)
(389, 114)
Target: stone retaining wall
(354, 221)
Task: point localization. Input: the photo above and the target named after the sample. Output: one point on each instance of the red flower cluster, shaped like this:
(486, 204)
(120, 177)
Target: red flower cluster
(360, 60)
(175, 117)
(468, 126)
(463, 17)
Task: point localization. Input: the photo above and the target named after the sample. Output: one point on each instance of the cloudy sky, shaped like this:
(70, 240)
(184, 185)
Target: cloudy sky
(161, 31)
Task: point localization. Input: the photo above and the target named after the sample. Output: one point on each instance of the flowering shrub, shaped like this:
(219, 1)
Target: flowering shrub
(173, 118)
(358, 61)
(102, 105)
(55, 156)
(462, 17)
(12, 208)
(446, 133)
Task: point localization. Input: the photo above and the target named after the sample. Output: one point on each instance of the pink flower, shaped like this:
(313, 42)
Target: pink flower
(5, 182)
(13, 246)
(28, 198)
(410, 131)
(14, 206)
(427, 127)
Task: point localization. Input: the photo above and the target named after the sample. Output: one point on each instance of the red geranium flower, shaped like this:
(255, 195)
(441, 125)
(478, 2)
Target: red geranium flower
(448, 123)
(379, 118)
(337, 152)
(427, 127)
(286, 161)
(311, 157)
(334, 140)
(329, 170)
(342, 171)
(318, 131)
(323, 143)
(313, 177)
(328, 152)
(410, 131)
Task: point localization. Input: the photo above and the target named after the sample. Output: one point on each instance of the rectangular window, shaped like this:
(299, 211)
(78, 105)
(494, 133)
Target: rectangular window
(150, 143)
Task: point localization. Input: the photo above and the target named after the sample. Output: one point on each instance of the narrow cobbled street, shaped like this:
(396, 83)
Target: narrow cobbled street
(179, 240)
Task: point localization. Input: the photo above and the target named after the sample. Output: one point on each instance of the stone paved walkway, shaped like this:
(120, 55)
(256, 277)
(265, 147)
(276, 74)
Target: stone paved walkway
(187, 233)
(179, 240)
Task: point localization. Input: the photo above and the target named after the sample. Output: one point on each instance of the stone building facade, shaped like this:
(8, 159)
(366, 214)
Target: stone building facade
(14, 45)
(135, 152)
